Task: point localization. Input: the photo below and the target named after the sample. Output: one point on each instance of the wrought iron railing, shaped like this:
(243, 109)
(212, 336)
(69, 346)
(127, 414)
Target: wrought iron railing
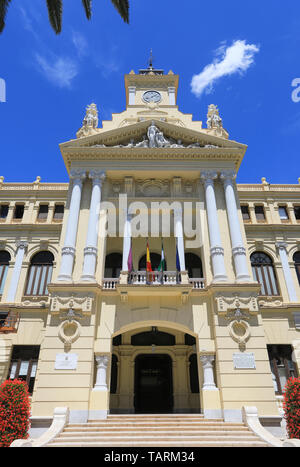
(9, 323)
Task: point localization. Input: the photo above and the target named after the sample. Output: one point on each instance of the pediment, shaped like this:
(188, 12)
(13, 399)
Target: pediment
(132, 135)
(152, 139)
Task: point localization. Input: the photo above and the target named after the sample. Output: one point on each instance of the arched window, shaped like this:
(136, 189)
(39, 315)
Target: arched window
(193, 265)
(4, 263)
(113, 265)
(40, 272)
(155, 261)
(263, 272)
(296, 259)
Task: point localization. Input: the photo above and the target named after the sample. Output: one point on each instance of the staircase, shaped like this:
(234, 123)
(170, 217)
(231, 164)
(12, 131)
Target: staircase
(163, 430)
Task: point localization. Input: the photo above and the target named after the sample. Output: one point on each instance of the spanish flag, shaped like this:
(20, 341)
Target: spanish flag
(148, 260)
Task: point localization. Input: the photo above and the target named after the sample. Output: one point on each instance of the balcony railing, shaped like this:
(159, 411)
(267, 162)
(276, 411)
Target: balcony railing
(110, 283)
(155, 278)
(9, 323)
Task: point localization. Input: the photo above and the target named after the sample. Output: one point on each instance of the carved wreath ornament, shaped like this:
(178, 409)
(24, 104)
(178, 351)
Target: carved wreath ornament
(238, 309)
(239, 329)
(70, 329)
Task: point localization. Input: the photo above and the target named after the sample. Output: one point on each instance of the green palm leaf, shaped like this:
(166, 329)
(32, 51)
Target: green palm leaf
(55, 8)
(4, 4)
(87, 5)
(123, 8)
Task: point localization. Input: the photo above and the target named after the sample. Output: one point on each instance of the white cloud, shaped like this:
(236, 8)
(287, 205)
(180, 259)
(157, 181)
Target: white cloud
(80, 44)
(236, 58)
(60, 72)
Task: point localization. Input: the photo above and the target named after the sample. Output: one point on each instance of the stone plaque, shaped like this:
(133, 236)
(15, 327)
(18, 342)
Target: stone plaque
(243, 360)
(66, 361)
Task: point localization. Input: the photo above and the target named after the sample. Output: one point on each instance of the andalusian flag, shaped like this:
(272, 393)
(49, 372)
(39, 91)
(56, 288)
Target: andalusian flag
(162, 264)
(148, 260)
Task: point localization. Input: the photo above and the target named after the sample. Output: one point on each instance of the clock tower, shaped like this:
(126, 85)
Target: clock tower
(151, 88)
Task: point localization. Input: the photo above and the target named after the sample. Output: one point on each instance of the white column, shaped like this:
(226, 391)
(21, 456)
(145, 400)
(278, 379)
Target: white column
(126, 241)
(21, 248)
(91, 250)
(171, 91)
(180, 238)
(286, 271)
(131, 95)
(101, 378)
(237, 244)
(208, 372)
(216, 250)
(68, 250)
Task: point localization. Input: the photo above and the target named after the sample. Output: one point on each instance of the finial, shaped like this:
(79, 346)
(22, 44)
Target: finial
(150, 61)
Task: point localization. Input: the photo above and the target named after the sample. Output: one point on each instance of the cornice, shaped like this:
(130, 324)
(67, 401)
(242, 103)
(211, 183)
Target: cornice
(71, 154)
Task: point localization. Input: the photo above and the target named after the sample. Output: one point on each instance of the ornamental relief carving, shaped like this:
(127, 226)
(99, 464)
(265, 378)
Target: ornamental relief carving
(270, 302)
(61, 303)
(152, 187)
(227, 303)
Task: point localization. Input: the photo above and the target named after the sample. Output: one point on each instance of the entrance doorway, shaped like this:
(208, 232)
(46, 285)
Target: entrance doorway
(153, 384)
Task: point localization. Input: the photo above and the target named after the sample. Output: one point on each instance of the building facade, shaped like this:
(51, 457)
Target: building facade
(90, 324)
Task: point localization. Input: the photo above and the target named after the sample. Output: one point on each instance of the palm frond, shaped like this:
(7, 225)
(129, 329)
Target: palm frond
(4, 4)
(55, 9)
(87, 5)
(123, 8)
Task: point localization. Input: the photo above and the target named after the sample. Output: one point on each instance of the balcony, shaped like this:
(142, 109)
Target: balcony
(155, 279)
(8, 322)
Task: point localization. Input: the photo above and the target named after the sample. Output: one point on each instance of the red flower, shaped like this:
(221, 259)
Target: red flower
(14, 411)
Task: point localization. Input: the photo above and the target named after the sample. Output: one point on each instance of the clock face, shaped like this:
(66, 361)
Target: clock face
(151, 96)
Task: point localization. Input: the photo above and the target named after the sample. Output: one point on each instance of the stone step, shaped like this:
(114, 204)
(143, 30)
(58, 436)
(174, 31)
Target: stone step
(156, 423)
(157, 430)
(176, 444)
(133, 429)
(155, 434)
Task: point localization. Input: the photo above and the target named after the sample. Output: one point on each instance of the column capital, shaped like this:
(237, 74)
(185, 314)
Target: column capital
(97, 176)
(208, 177)
(281, 245)
(102, 360)
(77, 175)
(21, 245)
(228, 176)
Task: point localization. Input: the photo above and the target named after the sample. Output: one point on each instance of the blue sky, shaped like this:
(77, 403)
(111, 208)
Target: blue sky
(51, 79)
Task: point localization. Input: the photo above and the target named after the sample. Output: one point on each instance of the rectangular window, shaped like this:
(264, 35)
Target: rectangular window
(3, 211)
(43, 212)
(245, 212)
(38, 278)
(297, 212)
(260, 213)
(282, 365)
(24, 364)
(283, 214)
(19, 211)
(58, 212)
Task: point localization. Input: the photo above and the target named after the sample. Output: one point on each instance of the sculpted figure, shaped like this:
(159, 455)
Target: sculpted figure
(213, 118)
(91, 116)
(161, 141)
(151, 133)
